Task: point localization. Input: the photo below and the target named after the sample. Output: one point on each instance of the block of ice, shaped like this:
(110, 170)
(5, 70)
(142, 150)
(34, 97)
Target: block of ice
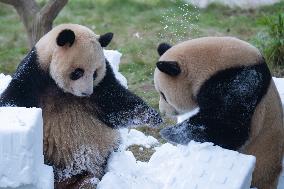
(195, 166)
(21, 149)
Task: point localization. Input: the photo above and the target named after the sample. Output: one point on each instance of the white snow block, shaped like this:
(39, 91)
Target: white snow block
(195, 166)
(21, 150)
(113, 57)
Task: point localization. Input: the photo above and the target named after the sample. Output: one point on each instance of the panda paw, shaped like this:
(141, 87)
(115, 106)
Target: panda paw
(153, 118)
(178, 134)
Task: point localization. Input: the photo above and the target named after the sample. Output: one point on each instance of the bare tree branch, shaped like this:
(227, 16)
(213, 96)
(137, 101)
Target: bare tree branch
(52, 9)
(36, 21)
(10, 2)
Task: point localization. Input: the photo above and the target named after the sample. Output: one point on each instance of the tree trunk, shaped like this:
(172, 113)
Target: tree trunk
(36, 21)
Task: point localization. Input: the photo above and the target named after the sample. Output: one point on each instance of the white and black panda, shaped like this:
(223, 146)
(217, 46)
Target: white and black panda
(239, 106)
(67, 75)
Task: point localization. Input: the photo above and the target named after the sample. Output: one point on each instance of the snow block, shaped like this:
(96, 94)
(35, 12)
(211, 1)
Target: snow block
(113, 57)
(21, 150)
(195, 166)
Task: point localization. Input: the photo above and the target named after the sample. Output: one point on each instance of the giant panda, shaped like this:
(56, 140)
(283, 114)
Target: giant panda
(67, 75)
(228, 85)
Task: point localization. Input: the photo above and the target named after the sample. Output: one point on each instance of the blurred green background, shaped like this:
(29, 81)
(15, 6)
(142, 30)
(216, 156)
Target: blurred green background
(139, 26)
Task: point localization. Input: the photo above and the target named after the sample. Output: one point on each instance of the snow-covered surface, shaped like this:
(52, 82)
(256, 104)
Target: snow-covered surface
(178, 167)
(21, 149)
(244, 4)
(114, 59)
(133, 136)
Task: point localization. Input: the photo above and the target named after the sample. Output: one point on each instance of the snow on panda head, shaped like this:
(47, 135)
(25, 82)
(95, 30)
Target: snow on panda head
(183, 68)
(73, 56)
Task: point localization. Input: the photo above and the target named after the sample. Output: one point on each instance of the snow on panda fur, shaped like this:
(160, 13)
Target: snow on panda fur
(239, 106)
(67, 75)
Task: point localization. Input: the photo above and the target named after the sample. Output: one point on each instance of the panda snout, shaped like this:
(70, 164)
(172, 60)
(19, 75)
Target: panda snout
(87, 93)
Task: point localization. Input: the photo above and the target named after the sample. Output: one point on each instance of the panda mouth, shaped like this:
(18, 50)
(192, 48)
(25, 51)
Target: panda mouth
(85, 95)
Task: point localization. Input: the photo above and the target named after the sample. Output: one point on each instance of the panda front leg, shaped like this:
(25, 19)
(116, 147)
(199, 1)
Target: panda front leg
(206, 128)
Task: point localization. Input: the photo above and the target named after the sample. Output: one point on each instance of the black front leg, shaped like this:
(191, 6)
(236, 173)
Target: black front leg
(230, 134)
(118, 107)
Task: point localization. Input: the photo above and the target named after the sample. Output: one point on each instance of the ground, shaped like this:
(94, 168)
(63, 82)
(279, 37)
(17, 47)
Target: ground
(139, 26)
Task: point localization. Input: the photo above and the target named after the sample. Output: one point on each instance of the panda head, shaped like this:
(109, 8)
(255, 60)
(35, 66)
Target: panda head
(170, 82)
(183, 68)
(73, 56)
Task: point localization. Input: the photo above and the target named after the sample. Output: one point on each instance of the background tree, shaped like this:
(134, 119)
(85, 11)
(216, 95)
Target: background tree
(36, 20)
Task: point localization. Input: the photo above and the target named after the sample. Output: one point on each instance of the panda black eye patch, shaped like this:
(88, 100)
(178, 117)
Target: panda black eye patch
(164, 97)
(77, 74)
(95, 75)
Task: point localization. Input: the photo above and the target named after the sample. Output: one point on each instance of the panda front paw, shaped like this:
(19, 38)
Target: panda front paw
(152, 118)
(178, 134)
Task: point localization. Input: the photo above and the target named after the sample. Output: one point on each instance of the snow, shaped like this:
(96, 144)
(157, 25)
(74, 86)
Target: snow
(21, 149)
(133, 136)
(244, 4)
(114, 59)
(4, 81)
(176, 167)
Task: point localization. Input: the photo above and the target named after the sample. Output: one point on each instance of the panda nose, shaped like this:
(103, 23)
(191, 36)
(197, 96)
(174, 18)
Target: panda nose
(87, 93)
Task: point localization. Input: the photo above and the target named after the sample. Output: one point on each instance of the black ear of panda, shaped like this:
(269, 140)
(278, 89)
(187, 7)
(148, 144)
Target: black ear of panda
(162, 48)
(105, 39)
(169, 67)
(64, 37)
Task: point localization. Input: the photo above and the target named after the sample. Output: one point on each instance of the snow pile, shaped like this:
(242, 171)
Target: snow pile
(114, 59)
(244, 4)
(4, 82)
(181, 167)
(21, 150)
(133, 136)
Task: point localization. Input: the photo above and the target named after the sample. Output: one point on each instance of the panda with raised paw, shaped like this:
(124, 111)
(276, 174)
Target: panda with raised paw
(239, 107)
(67, 75)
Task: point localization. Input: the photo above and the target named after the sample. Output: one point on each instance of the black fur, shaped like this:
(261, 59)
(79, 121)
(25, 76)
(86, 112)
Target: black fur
(227, 102)
(169, 67)
(27, 83)
(162, 48)
(105, 39)
(64, 37)
(118, 106)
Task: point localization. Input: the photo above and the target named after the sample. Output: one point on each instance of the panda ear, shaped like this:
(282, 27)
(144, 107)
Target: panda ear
(64, 37)
(169, 67)
(162, 48)
(105, 39)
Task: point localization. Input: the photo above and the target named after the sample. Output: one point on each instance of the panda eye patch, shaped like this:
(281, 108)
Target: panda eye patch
(95, 75)
(77, 74)
(164, 97)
